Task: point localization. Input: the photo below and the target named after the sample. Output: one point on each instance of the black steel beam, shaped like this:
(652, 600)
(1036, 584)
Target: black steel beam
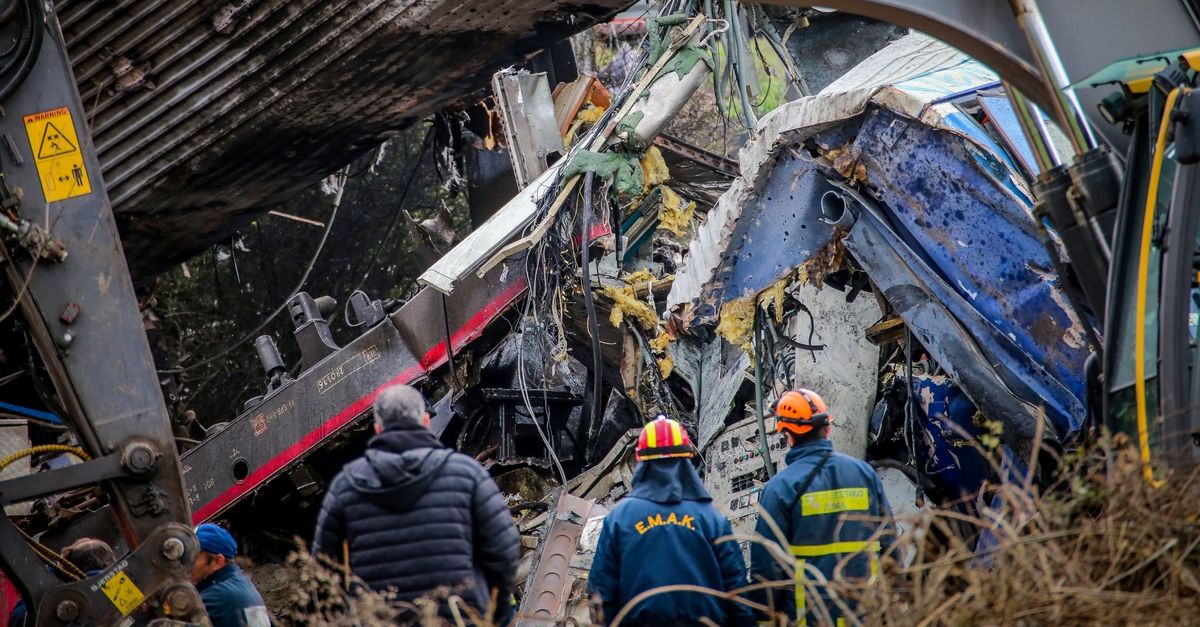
(41, 484)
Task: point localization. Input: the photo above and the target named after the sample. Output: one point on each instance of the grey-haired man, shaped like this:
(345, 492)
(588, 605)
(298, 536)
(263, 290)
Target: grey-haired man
(417, 516)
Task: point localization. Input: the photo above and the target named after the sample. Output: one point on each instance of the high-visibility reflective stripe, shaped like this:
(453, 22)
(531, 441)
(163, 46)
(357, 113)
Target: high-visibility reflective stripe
(652, 437)
(833, 501)
(801, 611)
(676, 434)
(817, 550)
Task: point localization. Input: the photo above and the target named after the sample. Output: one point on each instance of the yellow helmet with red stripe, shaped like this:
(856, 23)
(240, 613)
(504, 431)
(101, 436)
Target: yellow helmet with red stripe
(663, 438)
(800, 411)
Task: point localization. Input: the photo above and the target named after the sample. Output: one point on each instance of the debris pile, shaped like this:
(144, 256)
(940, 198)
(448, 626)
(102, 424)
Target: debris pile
(845, 255)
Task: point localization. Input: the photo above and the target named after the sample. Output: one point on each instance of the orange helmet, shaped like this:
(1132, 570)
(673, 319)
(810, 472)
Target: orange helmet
(800, 411)
(663, 438)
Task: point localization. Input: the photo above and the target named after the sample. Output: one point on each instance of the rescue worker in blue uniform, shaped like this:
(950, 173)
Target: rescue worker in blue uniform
(666, 533)
(819, 502)
(229, 597)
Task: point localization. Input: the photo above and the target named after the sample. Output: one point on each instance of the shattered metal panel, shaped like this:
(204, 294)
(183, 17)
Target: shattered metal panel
(780, 228)
(887, 261)
(970, 239)
(715, 371)
(205, 112)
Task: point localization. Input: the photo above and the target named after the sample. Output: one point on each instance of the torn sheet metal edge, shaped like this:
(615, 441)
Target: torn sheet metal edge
(939, 332)
(903, 77)
(782, 227)
(527, 109)
(496, 231)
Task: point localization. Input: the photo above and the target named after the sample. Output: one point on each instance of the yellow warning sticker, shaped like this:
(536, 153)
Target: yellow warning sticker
(57, 153)
(123, 593)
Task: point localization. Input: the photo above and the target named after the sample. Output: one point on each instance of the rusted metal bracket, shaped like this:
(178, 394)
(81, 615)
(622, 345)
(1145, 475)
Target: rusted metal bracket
(548, 589)
(713, 161)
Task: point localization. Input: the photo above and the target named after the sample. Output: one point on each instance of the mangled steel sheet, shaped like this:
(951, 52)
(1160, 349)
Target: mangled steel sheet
(953, 226)
(907, 60)
(943, 230)
(206, 113)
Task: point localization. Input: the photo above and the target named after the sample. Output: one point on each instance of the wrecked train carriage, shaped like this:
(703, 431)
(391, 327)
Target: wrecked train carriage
(898, 196)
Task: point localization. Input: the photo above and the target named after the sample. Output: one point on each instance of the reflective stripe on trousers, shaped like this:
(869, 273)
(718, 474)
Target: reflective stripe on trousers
(802, 551)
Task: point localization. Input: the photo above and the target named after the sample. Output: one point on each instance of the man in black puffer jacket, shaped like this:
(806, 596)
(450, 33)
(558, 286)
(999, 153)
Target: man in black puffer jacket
(417, 515)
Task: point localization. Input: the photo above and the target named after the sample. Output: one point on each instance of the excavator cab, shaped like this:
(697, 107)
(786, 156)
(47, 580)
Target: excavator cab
(1151, 382)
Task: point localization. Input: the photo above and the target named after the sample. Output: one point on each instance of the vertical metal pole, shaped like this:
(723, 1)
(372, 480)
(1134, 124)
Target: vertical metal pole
(1034, 128)
(1066, 106)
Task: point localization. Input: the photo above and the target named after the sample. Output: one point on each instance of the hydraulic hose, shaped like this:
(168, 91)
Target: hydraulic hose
(20, 60)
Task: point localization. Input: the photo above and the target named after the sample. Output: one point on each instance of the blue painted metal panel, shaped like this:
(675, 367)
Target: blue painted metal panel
(951, 244)
(971, 242)
(951, 455)
(987, 151)
(909, 285)
(778, 230)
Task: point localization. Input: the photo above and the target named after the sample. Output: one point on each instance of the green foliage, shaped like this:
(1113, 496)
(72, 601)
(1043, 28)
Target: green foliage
(625, 169)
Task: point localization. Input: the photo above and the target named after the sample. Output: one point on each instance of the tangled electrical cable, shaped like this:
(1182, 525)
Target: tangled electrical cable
(551, 266)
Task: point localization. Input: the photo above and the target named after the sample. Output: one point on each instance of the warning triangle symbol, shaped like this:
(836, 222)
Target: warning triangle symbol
(54, 143)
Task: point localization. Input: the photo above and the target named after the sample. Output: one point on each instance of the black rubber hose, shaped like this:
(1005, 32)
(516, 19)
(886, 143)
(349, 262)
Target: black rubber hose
(585, 227)
(26, 50)
(450, 345)
(9, 10)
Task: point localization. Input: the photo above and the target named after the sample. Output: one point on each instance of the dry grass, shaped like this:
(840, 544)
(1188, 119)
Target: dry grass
(320, 595)
(1101, 547)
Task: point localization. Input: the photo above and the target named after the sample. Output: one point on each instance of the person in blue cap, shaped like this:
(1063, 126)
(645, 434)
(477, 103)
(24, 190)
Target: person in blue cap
(229, 597)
